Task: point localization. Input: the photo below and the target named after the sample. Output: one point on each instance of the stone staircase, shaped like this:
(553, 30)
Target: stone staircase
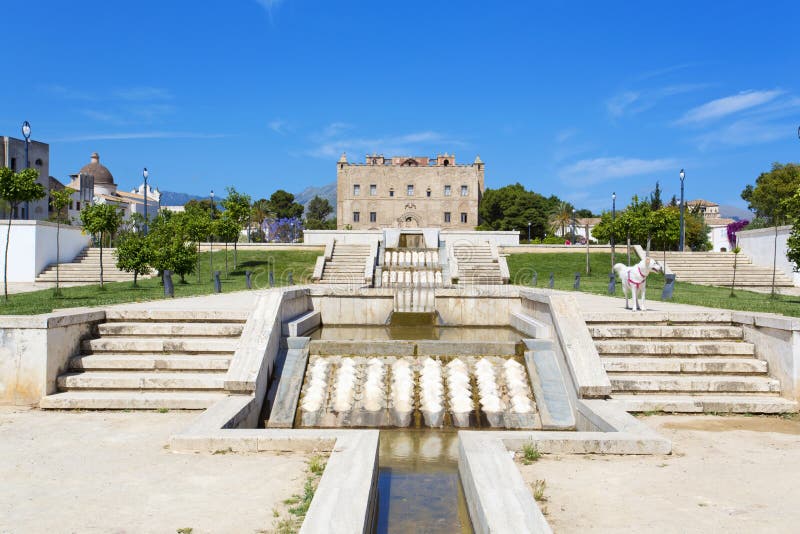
(86, 268)
(686, 362)
(346, 265)
(476, 265)
(716, 269)
(145, 359)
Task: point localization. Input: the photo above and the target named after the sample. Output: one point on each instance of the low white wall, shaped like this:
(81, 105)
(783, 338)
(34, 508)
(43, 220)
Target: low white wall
(719, 239)
(758, 246)
(501, 239)
(365, 237)
(348, 237)
(33, 247)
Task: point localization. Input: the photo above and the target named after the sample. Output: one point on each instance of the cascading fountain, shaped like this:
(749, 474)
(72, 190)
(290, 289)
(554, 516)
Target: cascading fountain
(431, 392)
(413, 271)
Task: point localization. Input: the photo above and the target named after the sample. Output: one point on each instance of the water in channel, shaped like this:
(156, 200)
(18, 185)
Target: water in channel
(419, 490)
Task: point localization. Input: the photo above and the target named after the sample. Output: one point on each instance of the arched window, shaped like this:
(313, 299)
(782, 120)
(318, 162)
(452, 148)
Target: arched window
(446, 162)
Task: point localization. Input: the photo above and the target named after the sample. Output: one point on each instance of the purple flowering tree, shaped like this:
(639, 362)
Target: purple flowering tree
(283, 230)
(733, 228)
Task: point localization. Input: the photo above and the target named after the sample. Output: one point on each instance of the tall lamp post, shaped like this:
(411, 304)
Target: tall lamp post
(144, 175)
(683, 207)
(26, 133)
(613, 226)
(529, 232)
(573, 226)
(211, 237)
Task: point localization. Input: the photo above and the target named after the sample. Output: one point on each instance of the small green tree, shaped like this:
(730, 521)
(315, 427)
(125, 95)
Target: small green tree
(228, 229)
(134, 250)
(170, 245)
(238, 211)
(666, 227)
(317, 212)
(58, 201)
(197, 225)
(16, 188)
(101, 220)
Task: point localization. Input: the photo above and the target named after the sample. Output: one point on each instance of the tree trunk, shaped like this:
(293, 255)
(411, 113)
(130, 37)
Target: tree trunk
(5, 265)
(588, 269)
(234, 252)
(648, 244)
(629, 248)
(774, 259)
(58, 253)
(733, 282)
(101, 259)
(135, 275)
(198, 262)
(226, 259)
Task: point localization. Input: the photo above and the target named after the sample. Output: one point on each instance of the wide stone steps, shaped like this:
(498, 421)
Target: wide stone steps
(150, 362)
(630, 383)
(676, 348)
(170, 329)
(86, 268)
(708, 403)
(142, 381)
(717, 268)
(697, 365)
(664, 332)
(131, 400)
(135, 344)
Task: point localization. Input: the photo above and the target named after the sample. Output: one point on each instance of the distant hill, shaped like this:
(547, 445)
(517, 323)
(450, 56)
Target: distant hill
(327, 191)
(734, 212)
(171, 198)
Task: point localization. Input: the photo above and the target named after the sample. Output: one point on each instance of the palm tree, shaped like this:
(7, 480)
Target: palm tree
(561, 218)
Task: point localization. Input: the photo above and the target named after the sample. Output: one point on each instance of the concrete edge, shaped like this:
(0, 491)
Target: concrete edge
(55, 319)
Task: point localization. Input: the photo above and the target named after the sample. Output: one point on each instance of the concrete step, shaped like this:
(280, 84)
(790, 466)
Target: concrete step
(170, 329)
(163, 315)
(141, 380)
(151, 345)
(149, 362)
(624, 318)
(685, 365)
(678, 348)
(130, 400)
(705, 403)
(665, 332)
(629, 383)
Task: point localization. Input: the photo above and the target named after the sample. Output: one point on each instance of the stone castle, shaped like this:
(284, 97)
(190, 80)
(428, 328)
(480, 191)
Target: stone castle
(408, 192)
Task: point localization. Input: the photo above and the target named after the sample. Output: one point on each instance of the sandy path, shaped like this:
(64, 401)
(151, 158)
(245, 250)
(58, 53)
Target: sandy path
(110, 472)
(726, 474)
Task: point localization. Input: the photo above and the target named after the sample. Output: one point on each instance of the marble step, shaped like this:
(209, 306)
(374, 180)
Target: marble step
(164, 315)
(141, 380)
(150, 362)
(685, 365)
(692, 383)
(678, 348)
(170, 329)
(130, 400)
(624, 318)
(664, 331)
(133, 344)
(705, 403)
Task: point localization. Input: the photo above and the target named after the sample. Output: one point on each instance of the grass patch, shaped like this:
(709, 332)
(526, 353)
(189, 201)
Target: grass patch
(564, 266)
(530, 453)
(299, 262)
(539, 486)
(299, 503)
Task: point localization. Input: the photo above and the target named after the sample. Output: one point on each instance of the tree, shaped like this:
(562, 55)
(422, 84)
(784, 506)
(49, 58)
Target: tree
(561, 218)
(134, 250)
(317, 212)
(197, 226)
(513, 207)
(238, 211)
(771, 189)
(282, 205)
(203, 204)
(666, 225)
(228, 229)
(58, 201)
(655, 198)
(101, 220)
(16, 188)
(170, 244)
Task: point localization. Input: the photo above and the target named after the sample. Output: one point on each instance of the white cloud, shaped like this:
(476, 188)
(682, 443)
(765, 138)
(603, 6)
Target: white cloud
(269, 4)
(723, 107)
(329, 146)
(565, 134)
(593, 171)
(746, 132)
(633, 102)
(138, 135)
(278, 126)
(618, 104)
(143, 93)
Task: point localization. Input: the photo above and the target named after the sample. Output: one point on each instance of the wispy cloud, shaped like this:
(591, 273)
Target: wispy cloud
(597, 170)
(335, 128)
(630, 102)
(278, 126)
(330, 145)
(726, 106)
(565, 134)
(143, 93)
(746, 132)
(138, 135)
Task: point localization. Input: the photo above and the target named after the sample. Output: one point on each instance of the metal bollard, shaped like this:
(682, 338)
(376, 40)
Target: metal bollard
(669, 286)
(535, 279)
(291, 279)
(247, 280)
(577, 283)
(552, 280)
(612, 283)
(271, 278)
(169, 289)
(217, 283)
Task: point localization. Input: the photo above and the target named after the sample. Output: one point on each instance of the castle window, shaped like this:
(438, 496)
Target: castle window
(38, 162)
(447, 216)
(356, 190)
(447, 190)
(14, 164)
(391, 192)
(356, 216)
(373, 190)
(373, 216)
(78, 205)
(410, 190)
(463, 218)
(464, 191)
(446, 162)
(428, 192)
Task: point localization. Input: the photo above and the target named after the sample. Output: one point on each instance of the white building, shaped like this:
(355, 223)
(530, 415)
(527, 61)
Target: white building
(12, 155)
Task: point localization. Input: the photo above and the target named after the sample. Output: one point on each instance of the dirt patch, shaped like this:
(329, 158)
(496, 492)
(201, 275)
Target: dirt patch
(726, 474)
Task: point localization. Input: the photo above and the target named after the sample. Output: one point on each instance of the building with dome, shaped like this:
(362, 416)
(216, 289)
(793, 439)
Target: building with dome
(95, 183)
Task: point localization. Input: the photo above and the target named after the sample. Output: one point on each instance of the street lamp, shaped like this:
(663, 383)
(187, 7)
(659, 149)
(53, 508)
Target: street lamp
(211, 238)
(144, 175)
(26, 133)
(613, 226)
(529, 232)
(683, 207)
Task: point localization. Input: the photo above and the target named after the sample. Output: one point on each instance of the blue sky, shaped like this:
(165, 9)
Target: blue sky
(576, 99)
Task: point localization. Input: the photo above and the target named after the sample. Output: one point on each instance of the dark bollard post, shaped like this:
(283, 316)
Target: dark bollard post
(669, 286)
(612, 283)
(291, 279)
(169, 289)
(577, 283)
(271, 278)
(247, 280)
(535, 279)
(552, 281)
(217, 283)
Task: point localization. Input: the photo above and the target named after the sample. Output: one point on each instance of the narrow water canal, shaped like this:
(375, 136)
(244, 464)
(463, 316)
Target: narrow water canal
(419, 491)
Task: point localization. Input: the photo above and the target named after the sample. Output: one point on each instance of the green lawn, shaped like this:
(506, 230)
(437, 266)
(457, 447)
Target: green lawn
(565, 265)
(299, 263)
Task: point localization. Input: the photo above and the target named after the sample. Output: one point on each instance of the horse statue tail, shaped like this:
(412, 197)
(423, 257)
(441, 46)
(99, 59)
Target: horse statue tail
(619, 268)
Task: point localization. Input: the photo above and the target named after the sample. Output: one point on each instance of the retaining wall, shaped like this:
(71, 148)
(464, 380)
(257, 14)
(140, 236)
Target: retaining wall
(33, 247)
(759, 246)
